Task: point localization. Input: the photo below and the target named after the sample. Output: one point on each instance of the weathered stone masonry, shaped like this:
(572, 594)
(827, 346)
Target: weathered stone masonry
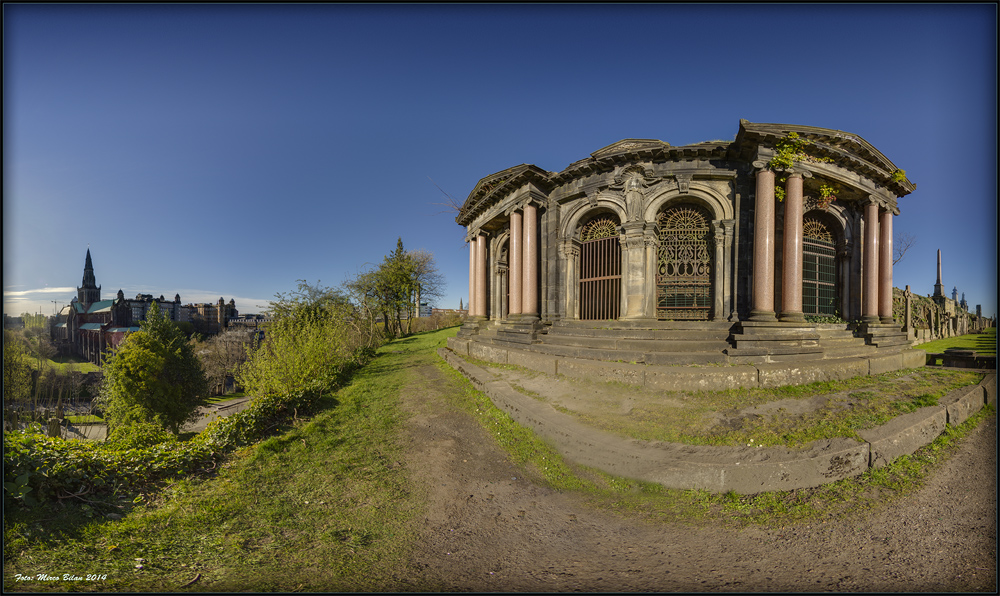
(690, 251)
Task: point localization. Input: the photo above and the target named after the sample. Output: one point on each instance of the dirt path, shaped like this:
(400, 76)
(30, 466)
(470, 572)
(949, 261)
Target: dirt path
(489, 529)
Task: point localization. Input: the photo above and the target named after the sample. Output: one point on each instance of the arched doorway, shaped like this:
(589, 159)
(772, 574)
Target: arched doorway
(819, 269)
(684, 264)
(600, 269)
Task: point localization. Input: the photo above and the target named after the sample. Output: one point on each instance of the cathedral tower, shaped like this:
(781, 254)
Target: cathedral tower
(90, 292)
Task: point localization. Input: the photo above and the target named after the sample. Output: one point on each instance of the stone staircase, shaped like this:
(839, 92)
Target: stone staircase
(887, 338)
(690, 342)
(648, 342)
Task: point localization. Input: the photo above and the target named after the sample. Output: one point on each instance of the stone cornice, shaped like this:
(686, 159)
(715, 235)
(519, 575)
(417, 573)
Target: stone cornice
(845, 149)
(753, 144)
(491, 189)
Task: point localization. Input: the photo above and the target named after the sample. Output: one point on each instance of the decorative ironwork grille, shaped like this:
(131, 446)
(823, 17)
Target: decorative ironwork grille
(600, 270)
(684, 265)
(819, 269)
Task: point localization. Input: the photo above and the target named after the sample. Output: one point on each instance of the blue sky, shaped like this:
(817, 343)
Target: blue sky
(227, 150)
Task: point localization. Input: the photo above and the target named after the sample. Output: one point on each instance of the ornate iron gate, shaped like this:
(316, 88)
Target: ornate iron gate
(600, 270)
(819, 269)
(684, 265)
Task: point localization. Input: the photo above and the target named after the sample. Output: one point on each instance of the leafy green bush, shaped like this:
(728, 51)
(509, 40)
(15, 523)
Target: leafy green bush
(153, 377)
(310, 350)
(39, 468)
(139, 435)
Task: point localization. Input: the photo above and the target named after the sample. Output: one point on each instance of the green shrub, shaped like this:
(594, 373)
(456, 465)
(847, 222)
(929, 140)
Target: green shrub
(139, 435)
(39, 468)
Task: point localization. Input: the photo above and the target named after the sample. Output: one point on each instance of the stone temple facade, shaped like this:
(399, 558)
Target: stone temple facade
(771, 247)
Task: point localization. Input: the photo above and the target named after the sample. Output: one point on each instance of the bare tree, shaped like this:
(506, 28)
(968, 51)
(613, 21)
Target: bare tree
(222, 355)
(450, 204)
(900, 244)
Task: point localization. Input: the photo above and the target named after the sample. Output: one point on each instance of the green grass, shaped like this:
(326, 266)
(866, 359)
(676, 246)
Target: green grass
(329, 505)
(690, 418)
(85, 419)
(983, 343)
(658, 504)
(66, 364)
(218, 399)
(325, 506)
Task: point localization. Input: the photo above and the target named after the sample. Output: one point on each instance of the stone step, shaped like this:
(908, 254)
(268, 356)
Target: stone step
(645, 324)
(642, 334)
(849, 351)
(632, 356)
(642, 345)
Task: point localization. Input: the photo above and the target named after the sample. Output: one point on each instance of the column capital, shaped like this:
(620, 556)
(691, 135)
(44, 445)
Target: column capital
(530, 201)
(569, 247)
(796, 172)
(471, 237)
(879, 202)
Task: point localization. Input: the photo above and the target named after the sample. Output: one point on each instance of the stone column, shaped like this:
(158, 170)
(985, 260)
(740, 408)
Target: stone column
(569, 250)
(869, 309)
(516, 264)
(731, 270)
(529, 299)
(633, 280)
(908, 316)
(844, 278)
(652, 243)
(481, 276)
(763, 248)
(718, 291)
(791, 256)
(472, 278)
(885, 268)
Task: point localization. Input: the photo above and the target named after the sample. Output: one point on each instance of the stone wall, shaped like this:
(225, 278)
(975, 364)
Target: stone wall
(930, 321)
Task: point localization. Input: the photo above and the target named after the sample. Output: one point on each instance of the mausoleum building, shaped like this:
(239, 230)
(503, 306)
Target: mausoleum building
(774, 246)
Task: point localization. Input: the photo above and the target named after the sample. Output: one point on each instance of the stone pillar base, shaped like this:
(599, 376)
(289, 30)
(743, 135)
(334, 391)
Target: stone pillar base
(519, 329)
(884, 336)
(763, 316)
(768, 339)
(471, 326)
(793, 317)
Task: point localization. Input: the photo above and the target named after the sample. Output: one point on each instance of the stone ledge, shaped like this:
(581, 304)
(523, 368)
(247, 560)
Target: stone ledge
(904, 434)
(963, 403)
(744, 470)
(686, 375)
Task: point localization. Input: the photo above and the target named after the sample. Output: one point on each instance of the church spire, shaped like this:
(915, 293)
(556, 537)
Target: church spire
(89, 292)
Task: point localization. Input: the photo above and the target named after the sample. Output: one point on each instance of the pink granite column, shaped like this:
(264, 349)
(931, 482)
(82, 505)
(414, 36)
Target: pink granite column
(480, 276)
(763, 248)
(516, 263)
(529, 302)
(791, 256)
(885, 268)
(869, 306)
(472, 279)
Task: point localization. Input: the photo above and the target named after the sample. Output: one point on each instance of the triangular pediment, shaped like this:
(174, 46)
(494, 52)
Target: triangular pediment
(627, 145)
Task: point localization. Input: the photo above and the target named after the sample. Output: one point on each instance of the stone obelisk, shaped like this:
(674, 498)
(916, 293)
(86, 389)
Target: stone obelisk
(939, 287)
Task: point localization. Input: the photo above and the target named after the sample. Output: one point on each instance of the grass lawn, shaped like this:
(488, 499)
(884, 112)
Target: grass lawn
(329, 504)
(984, 343)
(326, 505)
(87, 419)
(66, 364)
(218, 399)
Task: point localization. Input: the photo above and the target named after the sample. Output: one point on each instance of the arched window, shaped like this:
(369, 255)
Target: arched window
(600, 270)
(684, 264)
(819, 269)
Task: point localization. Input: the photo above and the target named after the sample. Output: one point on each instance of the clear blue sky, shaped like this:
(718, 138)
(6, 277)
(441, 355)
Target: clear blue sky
(227, 150)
